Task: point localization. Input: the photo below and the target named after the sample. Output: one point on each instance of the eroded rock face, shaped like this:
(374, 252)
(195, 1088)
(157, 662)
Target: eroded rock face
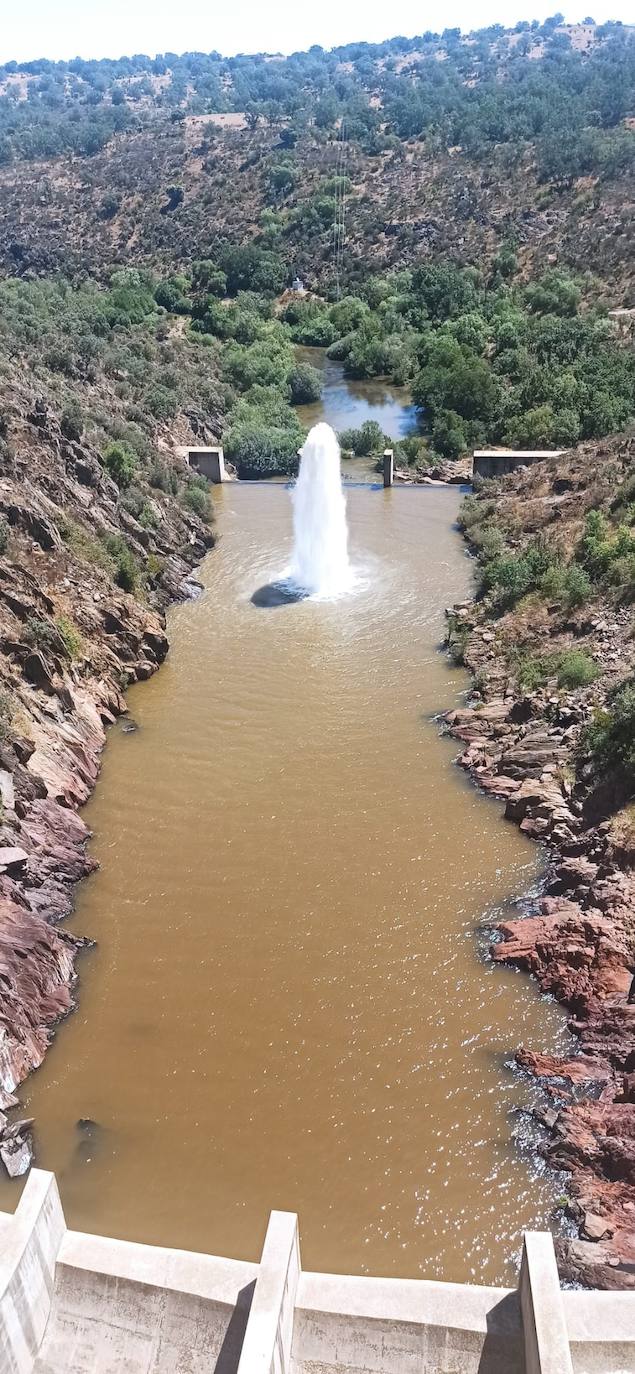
(57, 697)
(578, 938)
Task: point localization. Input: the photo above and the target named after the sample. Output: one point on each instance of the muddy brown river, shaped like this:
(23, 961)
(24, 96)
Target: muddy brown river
(289, 1005)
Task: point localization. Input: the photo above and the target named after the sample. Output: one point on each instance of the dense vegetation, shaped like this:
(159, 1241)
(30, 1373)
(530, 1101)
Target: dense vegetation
(111, 366)
(445, 87)
(487, 361)
(198, 339)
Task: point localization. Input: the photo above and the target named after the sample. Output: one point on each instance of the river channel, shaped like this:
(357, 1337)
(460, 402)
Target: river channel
(347, 402)
(289, 1004)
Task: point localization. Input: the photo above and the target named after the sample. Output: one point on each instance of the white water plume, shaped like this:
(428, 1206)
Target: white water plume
(320, 566)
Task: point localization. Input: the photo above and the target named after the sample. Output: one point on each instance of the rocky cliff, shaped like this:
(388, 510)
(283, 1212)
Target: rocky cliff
(524, 738)
(71, 640)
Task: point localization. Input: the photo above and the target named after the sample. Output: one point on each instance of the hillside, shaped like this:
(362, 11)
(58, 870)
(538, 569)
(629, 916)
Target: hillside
(551, 729)
(446, 143)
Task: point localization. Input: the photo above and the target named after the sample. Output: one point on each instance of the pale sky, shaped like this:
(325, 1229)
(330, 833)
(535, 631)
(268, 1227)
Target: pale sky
(114, 28)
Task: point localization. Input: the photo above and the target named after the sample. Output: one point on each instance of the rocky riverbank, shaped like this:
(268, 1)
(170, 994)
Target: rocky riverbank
(83, 588)
(523, 745)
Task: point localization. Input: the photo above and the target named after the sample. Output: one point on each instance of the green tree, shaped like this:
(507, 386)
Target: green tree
(121, 464)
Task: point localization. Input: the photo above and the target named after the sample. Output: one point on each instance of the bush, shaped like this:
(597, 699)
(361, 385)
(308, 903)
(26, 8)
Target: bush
(611, 737)
(147, 517)
(448, 434)
(488, 542)
(603, 553)
(161, 402)
(70, 637)
(572, 668)
(531, 671)
(197, 498)
(577, 587)
(5, 530)
(262, 449)
(163, 478)
(6, 714)
(473, 512)
(132, 501)
(41, 633)
(513, 576)
(72, 421)
(368, 439)
(126, 571)
(121, 463)
(305, 384)
(575, 668)
(571, 586)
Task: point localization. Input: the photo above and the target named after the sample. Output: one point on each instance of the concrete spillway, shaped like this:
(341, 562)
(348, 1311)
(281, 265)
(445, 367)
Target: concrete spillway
(77, 1302)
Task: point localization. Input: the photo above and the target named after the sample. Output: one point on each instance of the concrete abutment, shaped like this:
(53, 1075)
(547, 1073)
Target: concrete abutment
(72, 1302)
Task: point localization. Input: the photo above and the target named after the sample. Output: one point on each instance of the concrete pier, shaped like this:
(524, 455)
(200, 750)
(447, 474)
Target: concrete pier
(210, 462)
(71, 1302)
(389, 466)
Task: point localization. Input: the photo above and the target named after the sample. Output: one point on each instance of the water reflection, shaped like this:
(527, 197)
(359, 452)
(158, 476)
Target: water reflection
(347, 403)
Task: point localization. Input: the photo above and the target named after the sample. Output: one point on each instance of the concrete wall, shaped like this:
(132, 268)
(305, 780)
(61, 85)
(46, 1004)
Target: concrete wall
(267, 1344)
(210, 462)
(404, 1326)
(144, 1309)
(544, 1325)
(78, 1304)
(496, 462)
(29, 1246)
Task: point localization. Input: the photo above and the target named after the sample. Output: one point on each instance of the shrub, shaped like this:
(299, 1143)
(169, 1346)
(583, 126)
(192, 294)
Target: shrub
(70, 637)
(163, 478)
(262, 449)
(121, 463)
(611, 737)
(571, 586)
(513, 576)
(572, 668)
(509, 578)
(109, 206)
(577, 587)
(305, 384)
(368, 439)
(575, 668)
(132, 501)
(488, 542)
(196, 497)
(162, 402)
(473, 512)
(40, 633)
(458, 636)
(147, 517)
(126, 571)
(5, 530)
(599, 549)
(6, 714)
(448, 434)
(154, 568)
(72, 421)
(531, 671)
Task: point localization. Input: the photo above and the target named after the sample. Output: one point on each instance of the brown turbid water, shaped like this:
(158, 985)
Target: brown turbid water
(289, 1005)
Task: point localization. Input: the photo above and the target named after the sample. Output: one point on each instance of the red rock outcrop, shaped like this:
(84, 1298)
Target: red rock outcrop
(578, 938)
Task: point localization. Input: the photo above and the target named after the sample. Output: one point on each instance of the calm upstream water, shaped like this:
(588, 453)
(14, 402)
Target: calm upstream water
(346, 403)
(288, 1006)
